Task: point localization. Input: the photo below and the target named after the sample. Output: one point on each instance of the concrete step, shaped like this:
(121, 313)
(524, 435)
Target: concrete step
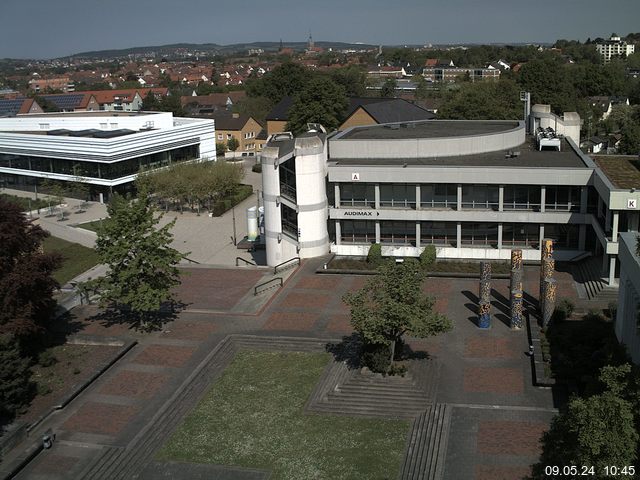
(366, 411)
(380, 391)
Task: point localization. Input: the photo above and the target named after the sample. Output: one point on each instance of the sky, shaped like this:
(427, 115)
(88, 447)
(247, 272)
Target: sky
(56, 28)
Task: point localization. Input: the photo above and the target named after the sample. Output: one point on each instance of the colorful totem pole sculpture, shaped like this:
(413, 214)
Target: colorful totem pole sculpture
(515, 290)
(547, 268)
(484, 296)
(550, 292)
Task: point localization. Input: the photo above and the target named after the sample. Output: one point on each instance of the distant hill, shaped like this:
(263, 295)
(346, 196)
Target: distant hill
(213, 48)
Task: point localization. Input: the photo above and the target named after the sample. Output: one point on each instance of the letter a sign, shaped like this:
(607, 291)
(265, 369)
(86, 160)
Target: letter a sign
(355, 177)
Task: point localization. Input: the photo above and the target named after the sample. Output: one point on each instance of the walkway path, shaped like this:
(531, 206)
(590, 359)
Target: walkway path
(482, 417)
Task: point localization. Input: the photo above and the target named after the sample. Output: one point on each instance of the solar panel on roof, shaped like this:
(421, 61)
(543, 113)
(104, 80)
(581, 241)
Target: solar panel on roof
(65, 102)
(10, 106)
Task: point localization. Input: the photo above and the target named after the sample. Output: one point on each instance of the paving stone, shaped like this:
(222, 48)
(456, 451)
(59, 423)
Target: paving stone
(498, 472)
(100, 418)
(291, 321)
(509, 437)
(134, 384)
(493, 380)
(490, 347)
(305, 299)
(166, 355)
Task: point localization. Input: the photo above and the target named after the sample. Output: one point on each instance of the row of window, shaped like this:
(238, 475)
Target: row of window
(484, 197)
(445, 233)
(108, 171)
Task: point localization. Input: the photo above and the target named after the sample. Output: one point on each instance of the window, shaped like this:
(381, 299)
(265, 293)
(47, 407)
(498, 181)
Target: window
(521, 197)
(398, 232)
(480, 234)
(562, 198)
(229, 136)
(564, 236)
(439, 196)
(44, 126)
(398, 195)
(439, 233)
(521, 235)
(357, 231)
(289, 221)
(357, 195)
(483, 197)
(220, 137)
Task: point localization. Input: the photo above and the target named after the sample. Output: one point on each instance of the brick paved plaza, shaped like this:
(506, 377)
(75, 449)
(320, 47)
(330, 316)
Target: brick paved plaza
(484, 376)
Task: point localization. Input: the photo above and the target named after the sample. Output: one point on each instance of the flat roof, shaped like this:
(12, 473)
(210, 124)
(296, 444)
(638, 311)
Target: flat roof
(622, 170)
(428, 129)
(528, 157)
(97, 113)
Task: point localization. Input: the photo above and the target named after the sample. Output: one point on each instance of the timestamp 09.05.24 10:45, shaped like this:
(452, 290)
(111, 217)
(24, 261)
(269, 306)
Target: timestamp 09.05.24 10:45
(553, 471)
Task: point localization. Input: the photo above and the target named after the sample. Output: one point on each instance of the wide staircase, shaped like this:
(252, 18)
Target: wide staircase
(589, 274)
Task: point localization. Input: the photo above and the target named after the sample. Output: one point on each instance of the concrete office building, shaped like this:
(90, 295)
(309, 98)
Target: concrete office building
(105, 149)
(474, 189)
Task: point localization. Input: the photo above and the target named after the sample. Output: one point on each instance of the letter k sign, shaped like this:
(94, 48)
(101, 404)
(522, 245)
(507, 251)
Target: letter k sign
(632, 203)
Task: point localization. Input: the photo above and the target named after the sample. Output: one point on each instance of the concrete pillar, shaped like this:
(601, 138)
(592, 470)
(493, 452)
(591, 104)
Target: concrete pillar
(459, 198)
(377, 232)
(418, 234)
(582, 237)
(612, 270)
(614, 227)
(459, 235)
(541, 236)
(418, 197)
(336, 193)
(377, 196)
(543, 198)
(583, 199)
(500, 203)
(499, 236)
(605, 264)
(338, 233)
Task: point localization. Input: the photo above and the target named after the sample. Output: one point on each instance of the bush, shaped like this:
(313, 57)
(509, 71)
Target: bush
(46, 358)
(428, 256)
(221, 206)
(563, 310)
(376, 357)
(374, 257)
(257, 168)
(16, 389)
(612, 310)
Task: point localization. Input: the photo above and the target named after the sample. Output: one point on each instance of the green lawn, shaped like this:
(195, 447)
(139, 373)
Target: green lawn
(76, 258)
(94, 226)
(252, 417)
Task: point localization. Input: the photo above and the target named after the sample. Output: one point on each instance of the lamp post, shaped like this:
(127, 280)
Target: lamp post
(233, 216)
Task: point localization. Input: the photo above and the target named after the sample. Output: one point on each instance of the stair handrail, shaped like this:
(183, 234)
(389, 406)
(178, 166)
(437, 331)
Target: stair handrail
(248, 262)
(294, 259)
(276, 279)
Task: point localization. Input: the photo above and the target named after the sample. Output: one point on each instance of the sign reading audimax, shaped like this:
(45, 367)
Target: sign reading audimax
(360, 213)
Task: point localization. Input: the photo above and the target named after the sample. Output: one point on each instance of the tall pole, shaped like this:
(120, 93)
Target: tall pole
(233, 214)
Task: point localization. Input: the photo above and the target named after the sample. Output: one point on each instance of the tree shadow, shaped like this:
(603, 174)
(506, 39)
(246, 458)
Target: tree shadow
(347, 351)
(115, 315)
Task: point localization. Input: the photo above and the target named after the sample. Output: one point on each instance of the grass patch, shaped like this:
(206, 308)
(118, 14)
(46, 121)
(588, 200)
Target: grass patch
(94, 225)
(75, 258)
(23, 202)
(252, 417)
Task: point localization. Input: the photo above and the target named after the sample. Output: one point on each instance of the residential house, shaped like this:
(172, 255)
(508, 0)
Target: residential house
(73, 102)
(605, 104)
(39, 84)
(208, 104)
(614, 47)
(241, 127)
(10, 107)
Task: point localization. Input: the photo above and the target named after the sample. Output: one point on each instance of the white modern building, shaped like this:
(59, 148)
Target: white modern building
(614, 47)
(105, 149)
(474, 189)
(627, 323)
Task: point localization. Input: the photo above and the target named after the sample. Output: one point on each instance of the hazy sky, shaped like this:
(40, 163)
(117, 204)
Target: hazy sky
(53, 28)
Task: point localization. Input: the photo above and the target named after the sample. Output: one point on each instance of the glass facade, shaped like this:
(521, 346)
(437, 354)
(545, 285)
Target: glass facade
(357, 231)
(399, 195)
(480, 234)
(562, 199)
(289, 221)
(439, 196)
(288, 179)
(439, 233)
(109, 171)
(357, 195)
(483, 197)
(521, 235)
(564, 236)
(521, 197)
(398, 232)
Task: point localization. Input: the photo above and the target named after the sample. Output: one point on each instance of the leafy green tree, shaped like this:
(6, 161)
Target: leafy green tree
(388, 89)
(352, 78)
(596, 431)
(221, 148)
(392, 304)
(150, 102)
(320, 101)
(483, 100)
(26, 282)
(256, 107)
(16, 388)
(284, 80)
(233, 144)
(548, 81)
(142, 264)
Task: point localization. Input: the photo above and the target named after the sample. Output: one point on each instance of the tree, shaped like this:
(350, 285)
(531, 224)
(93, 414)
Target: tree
(284, 80)
(142, 264)
(320, 101)
(388, 89)
(392, 304)
(150, 102)
(597, 431)
(486, 100)
(233, 144)
(16, 388)
(26, 282)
